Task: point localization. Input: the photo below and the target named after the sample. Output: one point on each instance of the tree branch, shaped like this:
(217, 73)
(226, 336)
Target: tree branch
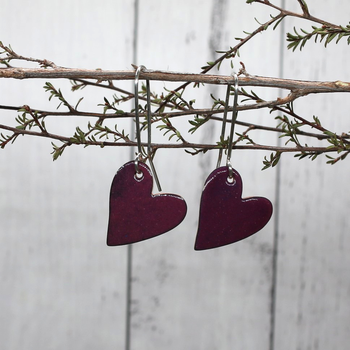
(174, 104)
(103, 75)
(155, 146)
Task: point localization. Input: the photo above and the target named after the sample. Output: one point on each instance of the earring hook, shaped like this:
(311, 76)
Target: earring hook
(138, 130)
(233, 122)
(223, 127)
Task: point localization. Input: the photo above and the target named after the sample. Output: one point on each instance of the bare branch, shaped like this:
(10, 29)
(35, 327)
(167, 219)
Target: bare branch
(12, 55)
(173, 103)
(171, 145)
(303, 86)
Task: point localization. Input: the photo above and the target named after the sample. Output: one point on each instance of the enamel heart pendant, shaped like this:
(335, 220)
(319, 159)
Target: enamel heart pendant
(225, 217)
(135, 214)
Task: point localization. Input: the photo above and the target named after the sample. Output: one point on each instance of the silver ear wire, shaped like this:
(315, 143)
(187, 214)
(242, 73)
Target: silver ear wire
(223, 127)
(138, 130)
(149, 133)
(233, 122)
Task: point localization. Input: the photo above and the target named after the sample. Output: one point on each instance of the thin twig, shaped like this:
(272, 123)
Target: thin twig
(305, 15)
(156, 146)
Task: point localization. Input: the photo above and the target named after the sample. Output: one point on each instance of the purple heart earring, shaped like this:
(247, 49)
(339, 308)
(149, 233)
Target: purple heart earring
(135, 214)
(225, 217)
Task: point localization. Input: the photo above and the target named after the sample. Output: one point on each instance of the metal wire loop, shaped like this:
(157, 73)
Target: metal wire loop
(138, 129)
(233, 122)
(138, 132)
(138, 172)
(234, 118)
(223, 127)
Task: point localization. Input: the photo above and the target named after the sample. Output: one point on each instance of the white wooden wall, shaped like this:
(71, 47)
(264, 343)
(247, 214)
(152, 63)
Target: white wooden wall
(63, 288)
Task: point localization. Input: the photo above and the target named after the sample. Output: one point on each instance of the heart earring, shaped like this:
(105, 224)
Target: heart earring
(135, 214)
(225, 217)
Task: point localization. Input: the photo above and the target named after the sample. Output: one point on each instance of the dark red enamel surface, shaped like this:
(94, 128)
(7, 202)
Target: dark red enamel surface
(224, 216)
(135, 213)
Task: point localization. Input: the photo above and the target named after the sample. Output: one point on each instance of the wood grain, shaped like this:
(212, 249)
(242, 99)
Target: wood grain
(313, 281)
(61, 286)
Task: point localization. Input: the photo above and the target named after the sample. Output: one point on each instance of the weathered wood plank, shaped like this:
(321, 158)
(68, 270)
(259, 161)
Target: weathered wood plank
(61, 286)
(217, 299)
(313, 261)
